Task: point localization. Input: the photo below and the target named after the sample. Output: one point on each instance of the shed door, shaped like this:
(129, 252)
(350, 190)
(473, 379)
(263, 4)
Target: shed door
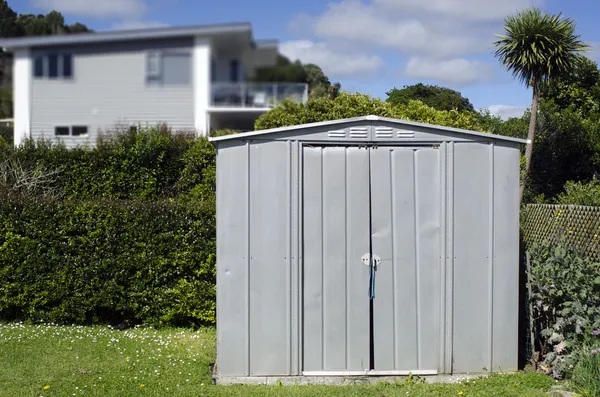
(405, 217)
(336, 235)
(383, 202)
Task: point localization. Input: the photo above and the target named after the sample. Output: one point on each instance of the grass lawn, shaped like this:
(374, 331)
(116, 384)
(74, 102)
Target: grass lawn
(48, 360)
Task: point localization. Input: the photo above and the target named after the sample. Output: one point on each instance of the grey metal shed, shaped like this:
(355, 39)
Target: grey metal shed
(366, 246)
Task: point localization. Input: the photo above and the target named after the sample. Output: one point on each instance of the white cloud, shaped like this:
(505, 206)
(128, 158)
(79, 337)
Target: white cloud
(331, 61)
(370, 25)
(456, 71)
(506, 111)
(95, 8)
(437, 36)
(136, 24)
(461, 9)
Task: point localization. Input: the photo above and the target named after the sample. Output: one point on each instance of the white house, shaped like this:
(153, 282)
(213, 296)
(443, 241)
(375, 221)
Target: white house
(75, 87)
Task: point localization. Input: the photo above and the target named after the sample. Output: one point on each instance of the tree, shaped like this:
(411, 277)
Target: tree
(77, 28)
(8, 21)
(577, 90)
(55, 23)
(34, 25)
(13, 25)
(319, 85)
(286, 71)
(536, 48)
(440, 98)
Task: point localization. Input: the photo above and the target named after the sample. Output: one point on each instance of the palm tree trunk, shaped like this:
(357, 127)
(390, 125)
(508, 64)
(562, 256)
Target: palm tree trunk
(535, 102)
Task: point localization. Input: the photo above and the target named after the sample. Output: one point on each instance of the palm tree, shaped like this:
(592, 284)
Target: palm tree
(538, 47)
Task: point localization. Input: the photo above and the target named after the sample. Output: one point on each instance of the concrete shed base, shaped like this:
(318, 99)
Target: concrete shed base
(334, 380)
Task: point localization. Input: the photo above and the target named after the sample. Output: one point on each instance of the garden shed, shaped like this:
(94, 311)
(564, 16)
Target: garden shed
(366, 246)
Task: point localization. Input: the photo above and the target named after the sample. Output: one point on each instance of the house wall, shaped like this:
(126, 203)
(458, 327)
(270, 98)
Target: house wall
(22, 95)
(109, 88)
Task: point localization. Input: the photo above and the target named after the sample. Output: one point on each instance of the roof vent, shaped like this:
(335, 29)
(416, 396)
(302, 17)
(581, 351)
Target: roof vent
(358, 132)
(384, 132)
(337, 134)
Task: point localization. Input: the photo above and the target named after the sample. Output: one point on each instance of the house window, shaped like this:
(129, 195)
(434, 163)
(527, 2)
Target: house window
(38, 67)
(234, 70)
(67, 65)
(169, 68)
(61, 131)
(75, 130)
(53, 65)
(153, 67)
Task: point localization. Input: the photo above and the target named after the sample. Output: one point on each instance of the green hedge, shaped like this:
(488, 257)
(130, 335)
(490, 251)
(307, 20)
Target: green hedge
(101, 261)
(150, 164)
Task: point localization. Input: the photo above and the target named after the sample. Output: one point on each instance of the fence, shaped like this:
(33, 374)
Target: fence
(575, 226)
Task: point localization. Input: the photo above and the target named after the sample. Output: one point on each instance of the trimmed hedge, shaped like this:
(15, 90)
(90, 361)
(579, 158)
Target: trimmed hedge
(106, 261)
(150, 164)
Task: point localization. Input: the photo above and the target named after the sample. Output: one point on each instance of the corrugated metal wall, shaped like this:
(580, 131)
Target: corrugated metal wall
(441, 218)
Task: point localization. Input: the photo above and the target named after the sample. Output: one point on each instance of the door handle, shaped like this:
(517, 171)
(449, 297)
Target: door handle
(369, 260)
(373, 262)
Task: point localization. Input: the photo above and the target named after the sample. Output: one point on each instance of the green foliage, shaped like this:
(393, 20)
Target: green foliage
(566, 302)
(286, 71)
(580, 193)
(440, 98)
(515, 127)
(538, 46)
(6, 133)
(50, 24)
(566, 148)
(146, 164)
(101, 261)
(586, 375)
(140, 246)
(8, 21)
(578, 90)
(355, 105)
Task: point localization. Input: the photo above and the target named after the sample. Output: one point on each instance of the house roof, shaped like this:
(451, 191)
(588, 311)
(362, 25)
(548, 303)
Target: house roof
(264, 133)
(134, 34)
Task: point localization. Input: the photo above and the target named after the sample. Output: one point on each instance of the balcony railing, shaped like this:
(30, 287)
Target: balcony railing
(256, 95)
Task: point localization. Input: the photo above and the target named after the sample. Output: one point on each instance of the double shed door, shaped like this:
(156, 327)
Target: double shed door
(364, 207)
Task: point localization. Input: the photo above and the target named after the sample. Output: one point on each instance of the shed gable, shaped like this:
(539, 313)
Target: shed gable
(369, 129)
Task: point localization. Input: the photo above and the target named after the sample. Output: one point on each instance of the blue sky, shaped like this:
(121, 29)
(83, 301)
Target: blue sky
(368, 46)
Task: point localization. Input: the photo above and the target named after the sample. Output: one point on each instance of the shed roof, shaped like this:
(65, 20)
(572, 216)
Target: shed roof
(133, 34)
(400, 122)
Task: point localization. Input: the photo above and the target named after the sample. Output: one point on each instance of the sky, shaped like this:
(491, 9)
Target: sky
(368, 46)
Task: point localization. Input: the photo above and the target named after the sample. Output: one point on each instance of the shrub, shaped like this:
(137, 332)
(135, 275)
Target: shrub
(98, 261)
(566, 302)
(355, 105)
(580, 193)
(151, 163)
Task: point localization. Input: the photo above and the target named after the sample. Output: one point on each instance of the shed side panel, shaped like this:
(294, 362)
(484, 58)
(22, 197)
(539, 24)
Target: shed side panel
(506, 258)
(313, 259)
(472, 174)
(232, 260)
(269, 226)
